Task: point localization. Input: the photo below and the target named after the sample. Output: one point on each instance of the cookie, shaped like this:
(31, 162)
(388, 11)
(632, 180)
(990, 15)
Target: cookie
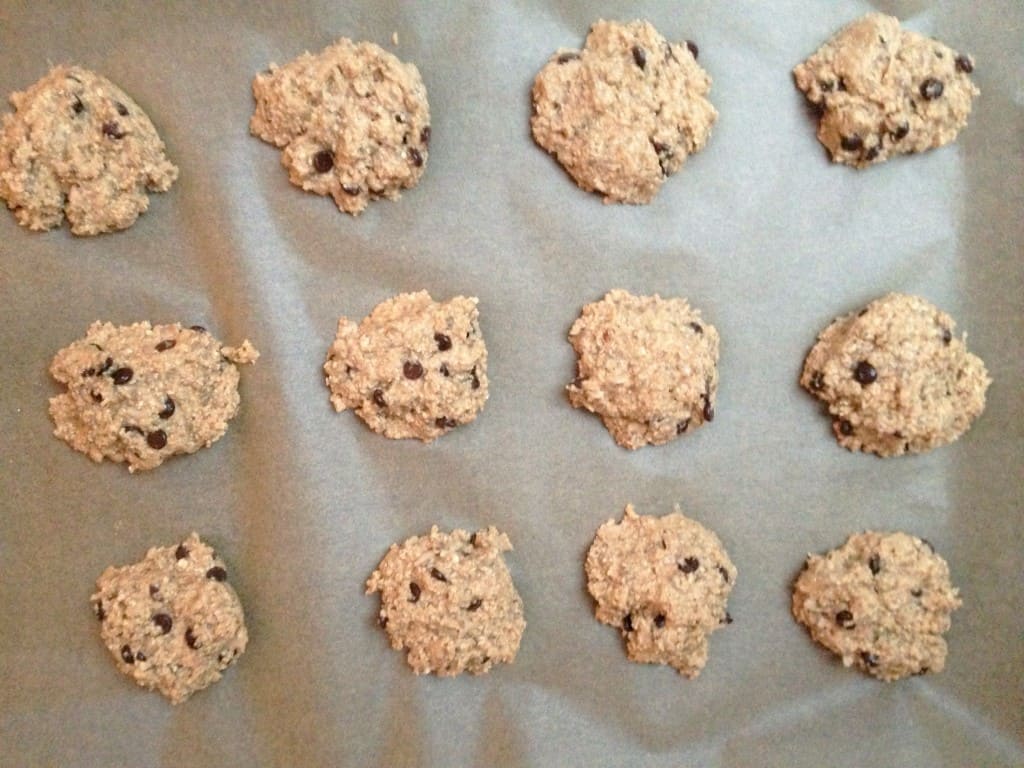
(172, 622)
(353, 122)
(885, 91)
(663, 582)
(895, 378)
(882, 602)
(142, 393)
(622, 114)
(78, 146)
(647, 366)
(414, 367)
(449, 601)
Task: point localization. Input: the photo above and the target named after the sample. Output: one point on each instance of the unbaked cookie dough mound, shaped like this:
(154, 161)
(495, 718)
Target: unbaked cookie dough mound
(663, 582)
(884, 91)
(172, 622)
(622, 114)
(882, 602)
(448, 600)
(142, 393)
(414, 367)
(895, 378)
(353, 122)
(78, 146)
(647, 366)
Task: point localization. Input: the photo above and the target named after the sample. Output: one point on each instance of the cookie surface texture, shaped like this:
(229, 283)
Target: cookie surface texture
(142, 393)
(647, 366)
(885, 91)
(895, 378)
(881, 602)
(663, 582)
(623, 113)
(352, 122)
(449, 601)
(414, 367)
(78, 146)
(172, 622)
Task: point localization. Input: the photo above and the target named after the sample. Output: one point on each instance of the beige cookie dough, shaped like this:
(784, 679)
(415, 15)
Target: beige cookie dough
(885, 91)
(414, 367)
(622, 114)
(448, 600)
(881, 602)
(647, 366)
(78, 146)
(172, 622)
(895, 378)
(352, 122)
(663, 582)
(142, 393)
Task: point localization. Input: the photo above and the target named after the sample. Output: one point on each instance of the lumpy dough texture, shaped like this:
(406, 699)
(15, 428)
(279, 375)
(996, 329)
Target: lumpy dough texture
(142, 393)
(172, 622)
(647, 366)
(884, 91)
(414, 367)
(448, 600)
(663, 582)
(881, 602)
(79, 146)
(895, 378)
(622, 114)
(353, 122)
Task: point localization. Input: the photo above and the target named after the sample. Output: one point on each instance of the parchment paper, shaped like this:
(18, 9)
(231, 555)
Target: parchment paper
(760, 231)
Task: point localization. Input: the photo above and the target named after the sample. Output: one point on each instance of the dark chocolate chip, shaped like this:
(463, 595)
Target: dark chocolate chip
(444, 370)
(659, 620)
(351, 191)
(126, 654)
(123, 375)
(100, 613)
(845, 619)
(105, 367)
(472, 538)
(378, 398)
(725, 573)
(564, 58)
(923, 671)
(78, 106)
(639, 56)
(817, 381)
(875, 564)
(416, 157)
(476, 380)
(197, 328)
(865, 373)
(709, 410)
(689, 565)
(88, 372)
(166, 344)
(964, 64)
(869, 658)
(190, 639)
(872, 153)
(697, 327)
(444, 343)
(931, 89)
(475, 605)
(443, 422)
(682, 426)
(947, 336)
(217, 573)
(154, 590)
(437, 575)
(323, 161)
(845, 428)
(96, 397)
(852, 143)
(425, 136)
(131, 428)
(412, 370)
(181, 552)
(627, 623)
(163, 621)
(414, 589)
(693, 49)
(916, 592)
(122, 110)
(140, 656)
(169, 407)
(113, 130)
(156, 439)
(901, 132)
(399, 119)
(728, 618)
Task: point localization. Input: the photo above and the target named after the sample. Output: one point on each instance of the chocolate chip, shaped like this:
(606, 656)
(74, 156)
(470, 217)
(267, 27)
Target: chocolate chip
(931, 89)
(689, 565)
(472, 538)
(123, 375)
(659, 620)
(852, 143)
(131, 428)
(140, 656)
(156, 439)
(197, 328)
(817, 381)
(639, 56)
(166, 344)
(728, 618)
(414, 588)
(412, 369)
(697, 327)
(100, 613)
(947, 336)
(869, 658)
(682, 426)
(964, 64)
(627, 623)
(916, 592)
(217, 573)
(709, 410)
(692, 48)
(444, 343)
(113, 130)
(901, 132)
(725, 573)
(163, 621)
(350, 190)
(841, 85)
(78, 106)
(845, 428)
(154, 590)
(476, 380)
(444, 370)
(88, 372)
(845, 619)
(872, 153)
(875, 564)
(415, 156)
(323, 161)
(96, 397)
(126, 654)
(425, 136)
(564, 58)
(122, 110)
(181, 552)
(105, 367)
(659, 147)
(378, 398)
(865, 373)
(475, 605)
(437, 575)
(190, 639)
(399, 119)
(169, 407)
(443, 422)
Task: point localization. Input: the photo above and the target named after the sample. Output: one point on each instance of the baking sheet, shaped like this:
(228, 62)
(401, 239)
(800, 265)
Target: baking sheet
(760, 231)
